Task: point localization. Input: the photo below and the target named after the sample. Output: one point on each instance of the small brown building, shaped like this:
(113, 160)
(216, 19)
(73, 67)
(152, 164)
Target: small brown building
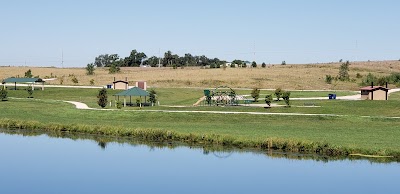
(120, 85)
(374, 93)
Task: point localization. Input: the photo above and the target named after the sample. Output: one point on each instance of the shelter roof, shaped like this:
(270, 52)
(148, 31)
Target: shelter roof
(22, 80)
(120, 81)
(374, 88)
(135, 91)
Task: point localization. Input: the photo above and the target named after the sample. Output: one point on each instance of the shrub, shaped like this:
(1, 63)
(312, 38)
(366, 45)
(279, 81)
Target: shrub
(28, 73)
(119, 104)
(358, 76)
(74, 80)
(30, 91)
(3, 94)
(268, 99)
(254, 64)
(114, 69)
(102, 98)
(283, 63)
(344, 71)
(153, 96)
(255, 94)
(263, 65)
(91, 82)
(278, 93)
(328, 79)
(90, 69)
(61, 80)
(286, 96)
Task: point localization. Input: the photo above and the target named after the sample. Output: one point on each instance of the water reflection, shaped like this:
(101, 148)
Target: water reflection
(221, 152)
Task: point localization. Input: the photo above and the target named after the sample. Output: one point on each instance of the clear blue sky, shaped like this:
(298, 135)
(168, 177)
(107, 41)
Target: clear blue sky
(309, 31)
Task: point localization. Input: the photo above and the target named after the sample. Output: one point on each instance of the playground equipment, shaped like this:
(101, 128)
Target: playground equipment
(220, 96)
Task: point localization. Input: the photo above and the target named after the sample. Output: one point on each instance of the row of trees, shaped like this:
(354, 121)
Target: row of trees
(135, 59)
(279, 93)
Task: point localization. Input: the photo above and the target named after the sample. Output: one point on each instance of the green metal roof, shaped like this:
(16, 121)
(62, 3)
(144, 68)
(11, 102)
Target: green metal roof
(21, 80)
(135, 91)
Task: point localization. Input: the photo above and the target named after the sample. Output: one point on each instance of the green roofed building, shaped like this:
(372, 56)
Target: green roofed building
(29, 81)
(135, 91)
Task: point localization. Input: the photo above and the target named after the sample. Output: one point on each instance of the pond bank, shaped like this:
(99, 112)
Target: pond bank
(205, 139)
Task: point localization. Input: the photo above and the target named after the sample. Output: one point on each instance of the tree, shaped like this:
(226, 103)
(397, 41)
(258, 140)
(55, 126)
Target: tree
(255, 94)
(102, 98)
(169, 59)
(152, 61)
(237, 63)
(90, 69)
(268, 99)
(105, 60)
(28, 73)
(135, 59)
(3, 94)
(286, 96)
(254, 64)
(344, 71)
(153, 96)
(263, 65)
(278, 93)
(30, 91)
(114, 68)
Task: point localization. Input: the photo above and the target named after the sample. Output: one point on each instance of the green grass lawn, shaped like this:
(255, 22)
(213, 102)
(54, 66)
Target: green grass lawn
(373, 134)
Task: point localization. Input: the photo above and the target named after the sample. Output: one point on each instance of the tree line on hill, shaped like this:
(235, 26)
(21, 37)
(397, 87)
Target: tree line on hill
(136, 59)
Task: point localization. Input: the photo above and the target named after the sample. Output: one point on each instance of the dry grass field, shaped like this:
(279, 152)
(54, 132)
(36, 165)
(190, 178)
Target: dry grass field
(290, 76)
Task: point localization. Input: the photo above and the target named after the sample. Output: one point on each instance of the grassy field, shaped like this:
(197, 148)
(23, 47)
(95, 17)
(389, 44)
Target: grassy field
(289, 77)
(357, 134)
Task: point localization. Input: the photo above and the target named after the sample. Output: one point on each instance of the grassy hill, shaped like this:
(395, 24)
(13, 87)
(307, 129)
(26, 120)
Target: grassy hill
(290, 76)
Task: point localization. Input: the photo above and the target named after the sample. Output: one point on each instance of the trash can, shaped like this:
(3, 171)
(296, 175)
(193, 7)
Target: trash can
(330, 96)
(334, 96)
(109, 86)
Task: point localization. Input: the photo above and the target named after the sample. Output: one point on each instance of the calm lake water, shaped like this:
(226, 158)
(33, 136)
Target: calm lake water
(44, 164)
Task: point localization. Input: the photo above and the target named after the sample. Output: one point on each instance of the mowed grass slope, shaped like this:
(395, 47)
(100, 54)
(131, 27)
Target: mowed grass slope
(375, 135)
(300, 77)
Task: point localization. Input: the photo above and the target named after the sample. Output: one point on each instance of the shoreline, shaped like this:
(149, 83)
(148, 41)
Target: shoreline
(207, 139)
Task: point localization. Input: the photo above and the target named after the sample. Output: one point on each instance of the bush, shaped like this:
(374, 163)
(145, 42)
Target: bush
(102, 98)
(268, 99)
(358, 76)
(286, 96)
(119, 104)
(153, 96)
(255, 94)
(61, 80)
(74, 80)
(3, 94)
(328, 79)
(263, 65)
(283, 63)
(114, 69)
(30, 91)
(28, 73)
(278, 93)
(91, 82)
(90, 69)
(344, 71)
(254, 64)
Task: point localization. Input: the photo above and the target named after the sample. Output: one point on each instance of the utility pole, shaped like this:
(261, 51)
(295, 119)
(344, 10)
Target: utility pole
(62, 58)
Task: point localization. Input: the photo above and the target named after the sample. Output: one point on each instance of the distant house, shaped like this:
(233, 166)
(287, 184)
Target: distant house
(374, 93)
(120, 84)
